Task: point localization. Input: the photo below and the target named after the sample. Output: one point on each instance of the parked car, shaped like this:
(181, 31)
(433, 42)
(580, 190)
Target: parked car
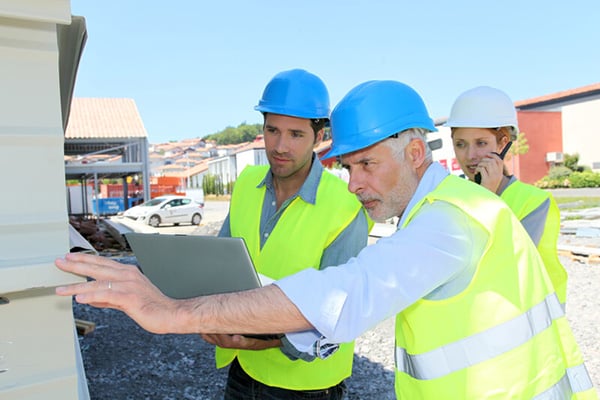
(167, 210)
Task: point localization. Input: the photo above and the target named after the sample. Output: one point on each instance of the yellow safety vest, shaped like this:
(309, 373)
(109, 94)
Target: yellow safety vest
(505, 335)
(297, 242)
(524, 199)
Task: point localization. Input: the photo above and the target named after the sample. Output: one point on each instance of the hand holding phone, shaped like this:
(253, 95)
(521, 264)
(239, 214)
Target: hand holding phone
(501, 155)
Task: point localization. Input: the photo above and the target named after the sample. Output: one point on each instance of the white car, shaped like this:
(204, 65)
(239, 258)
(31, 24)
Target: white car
(167, 210)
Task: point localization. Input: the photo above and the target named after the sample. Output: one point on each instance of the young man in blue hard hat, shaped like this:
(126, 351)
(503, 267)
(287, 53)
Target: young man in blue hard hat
(476, 314)
(291, 209)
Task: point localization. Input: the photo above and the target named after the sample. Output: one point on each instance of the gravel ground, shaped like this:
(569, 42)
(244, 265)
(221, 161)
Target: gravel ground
(122, 361)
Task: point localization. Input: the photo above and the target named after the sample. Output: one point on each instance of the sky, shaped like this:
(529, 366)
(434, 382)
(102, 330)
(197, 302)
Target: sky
(195, 67)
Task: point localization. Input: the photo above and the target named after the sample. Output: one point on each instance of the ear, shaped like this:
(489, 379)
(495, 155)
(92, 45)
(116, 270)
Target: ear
(415, 153)
(319, 137)
(503, 141)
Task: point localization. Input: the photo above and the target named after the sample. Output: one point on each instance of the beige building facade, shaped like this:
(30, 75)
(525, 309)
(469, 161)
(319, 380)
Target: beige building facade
(37, 341)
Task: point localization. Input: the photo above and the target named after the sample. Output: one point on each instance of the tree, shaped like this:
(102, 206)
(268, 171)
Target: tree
(519, 145)
(234, 135)
(571, 161)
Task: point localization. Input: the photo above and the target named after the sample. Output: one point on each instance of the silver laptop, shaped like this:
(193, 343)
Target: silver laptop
(184, 266)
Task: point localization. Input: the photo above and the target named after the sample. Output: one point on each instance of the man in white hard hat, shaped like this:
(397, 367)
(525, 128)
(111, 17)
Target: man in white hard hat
(476, 314)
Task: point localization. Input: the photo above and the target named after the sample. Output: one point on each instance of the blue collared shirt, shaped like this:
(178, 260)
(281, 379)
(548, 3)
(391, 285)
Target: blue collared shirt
(434, 257)
(348, 243)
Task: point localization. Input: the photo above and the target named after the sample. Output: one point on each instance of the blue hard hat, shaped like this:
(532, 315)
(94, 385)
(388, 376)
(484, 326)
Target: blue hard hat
(296, 93)
(374, 111)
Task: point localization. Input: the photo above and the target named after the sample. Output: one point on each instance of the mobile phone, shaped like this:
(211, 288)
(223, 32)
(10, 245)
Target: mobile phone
(501, 155)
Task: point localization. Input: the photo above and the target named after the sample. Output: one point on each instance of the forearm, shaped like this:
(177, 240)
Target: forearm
(258, 311)
(124, 287)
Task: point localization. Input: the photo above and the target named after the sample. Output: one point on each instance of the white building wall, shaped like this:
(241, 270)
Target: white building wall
(223, 167)
(445, 155)
(581, 131)
(232, 173)
(249, 157)
(37, 347)
(196, 180)
(260, 157)
(243, 159)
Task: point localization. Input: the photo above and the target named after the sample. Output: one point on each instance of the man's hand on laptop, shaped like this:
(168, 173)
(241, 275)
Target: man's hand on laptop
(240, 342)
(124, 287)
(119, 286)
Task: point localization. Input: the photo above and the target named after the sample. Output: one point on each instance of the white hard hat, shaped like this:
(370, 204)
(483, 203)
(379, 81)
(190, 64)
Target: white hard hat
(483, 107)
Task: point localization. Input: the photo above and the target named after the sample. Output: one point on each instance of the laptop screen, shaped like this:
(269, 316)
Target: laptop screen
(184, 266)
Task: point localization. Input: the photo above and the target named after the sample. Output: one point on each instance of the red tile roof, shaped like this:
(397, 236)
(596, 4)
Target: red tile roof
(260, 144)
(195, 170)
(559, 95)
(324, 145)
(257, 144)
(104, 118)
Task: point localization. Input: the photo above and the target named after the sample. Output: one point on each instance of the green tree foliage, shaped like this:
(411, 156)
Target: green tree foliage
(571, 161)
(212, 184)
(240, 134)
(519, 145)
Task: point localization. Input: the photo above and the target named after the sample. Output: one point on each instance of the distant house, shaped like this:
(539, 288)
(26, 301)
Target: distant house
(225, 164)
(558, 123)
(156, 161)
(322, 149)
(554, 124)
(230, 166)
(190, 178)
(169, 170)
(251, 154)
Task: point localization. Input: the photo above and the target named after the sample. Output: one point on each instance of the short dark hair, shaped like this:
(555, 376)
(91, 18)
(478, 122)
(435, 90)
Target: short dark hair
(316, 124)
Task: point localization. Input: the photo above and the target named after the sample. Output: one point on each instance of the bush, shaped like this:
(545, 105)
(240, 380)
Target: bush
(559, 172)
(548, 183)
(569, 175)
(558, 177)
(584, 179)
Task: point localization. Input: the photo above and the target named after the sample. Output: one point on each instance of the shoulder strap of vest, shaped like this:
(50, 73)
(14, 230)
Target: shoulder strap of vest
(523, 198)
(467, 196)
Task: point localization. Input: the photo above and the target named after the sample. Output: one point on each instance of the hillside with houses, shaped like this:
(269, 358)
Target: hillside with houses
(105, 140)
(190, 160)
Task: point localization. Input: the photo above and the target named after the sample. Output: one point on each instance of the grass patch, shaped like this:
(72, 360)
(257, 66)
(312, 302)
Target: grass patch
(577, 203)
(572, 218)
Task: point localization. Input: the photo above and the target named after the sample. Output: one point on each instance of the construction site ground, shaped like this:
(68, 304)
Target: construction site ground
(123, 361)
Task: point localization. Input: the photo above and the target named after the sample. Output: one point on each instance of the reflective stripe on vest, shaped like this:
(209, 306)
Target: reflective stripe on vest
(576, 380)
(492, 343)
(481, 346)
(505, 335)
